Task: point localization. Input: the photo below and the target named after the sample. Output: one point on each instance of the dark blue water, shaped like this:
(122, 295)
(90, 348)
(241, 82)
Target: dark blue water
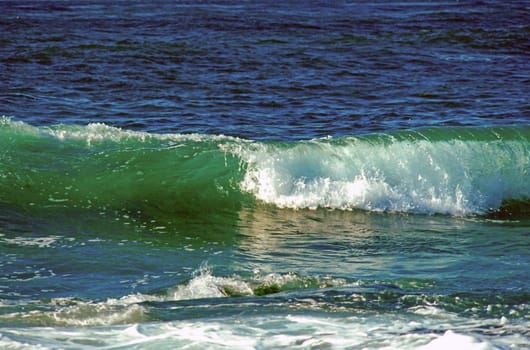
(259, 174)
(266, 69)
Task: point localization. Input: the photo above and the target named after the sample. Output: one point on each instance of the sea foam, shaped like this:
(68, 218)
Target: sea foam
(419, 174)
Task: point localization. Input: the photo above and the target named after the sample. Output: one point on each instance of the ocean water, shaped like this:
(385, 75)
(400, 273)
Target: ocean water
(264, 175)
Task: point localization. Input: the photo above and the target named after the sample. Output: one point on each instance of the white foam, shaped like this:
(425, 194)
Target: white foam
(41, 242)
(72, 312)
(96, 314)
(100, 132)
(451, 177)
(272, 330)
(452, 340)
(206, 285)
(11, 344)
(255, 332)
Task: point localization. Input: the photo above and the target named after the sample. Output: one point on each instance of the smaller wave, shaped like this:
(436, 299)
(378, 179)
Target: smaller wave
(301, 292)
(74, 312)
(311, 311)
(206, 285)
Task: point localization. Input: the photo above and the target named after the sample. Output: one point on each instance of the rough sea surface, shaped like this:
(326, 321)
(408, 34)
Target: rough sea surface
(264, 175)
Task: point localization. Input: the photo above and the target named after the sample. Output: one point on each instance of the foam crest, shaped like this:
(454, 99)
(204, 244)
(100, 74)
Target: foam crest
(206, 285)
(71, 312)
(456, 175)
(100, 132)
(95, 314)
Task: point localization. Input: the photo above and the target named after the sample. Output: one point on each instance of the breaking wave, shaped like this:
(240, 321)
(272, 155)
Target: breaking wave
(454, 171)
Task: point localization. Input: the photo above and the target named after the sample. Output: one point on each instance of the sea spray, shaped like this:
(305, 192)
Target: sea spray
(437, 171)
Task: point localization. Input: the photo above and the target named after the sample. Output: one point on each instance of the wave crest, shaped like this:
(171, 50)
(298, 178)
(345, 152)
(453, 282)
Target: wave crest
(452, 172)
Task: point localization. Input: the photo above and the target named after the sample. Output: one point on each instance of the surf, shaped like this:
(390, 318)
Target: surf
(453, 171)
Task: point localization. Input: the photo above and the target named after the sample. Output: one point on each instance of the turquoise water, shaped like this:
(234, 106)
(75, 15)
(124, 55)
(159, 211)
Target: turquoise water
(454, 171)
(259, 175)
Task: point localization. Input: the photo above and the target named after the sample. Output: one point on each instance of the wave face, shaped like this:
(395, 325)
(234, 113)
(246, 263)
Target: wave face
(99, 167)
(455, 171)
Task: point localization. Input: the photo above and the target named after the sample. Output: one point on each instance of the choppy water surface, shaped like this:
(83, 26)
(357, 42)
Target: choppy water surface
(264, 175)
(266, 69)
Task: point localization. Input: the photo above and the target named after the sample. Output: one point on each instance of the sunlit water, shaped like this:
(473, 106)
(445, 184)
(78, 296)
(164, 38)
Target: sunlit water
(264, 175)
